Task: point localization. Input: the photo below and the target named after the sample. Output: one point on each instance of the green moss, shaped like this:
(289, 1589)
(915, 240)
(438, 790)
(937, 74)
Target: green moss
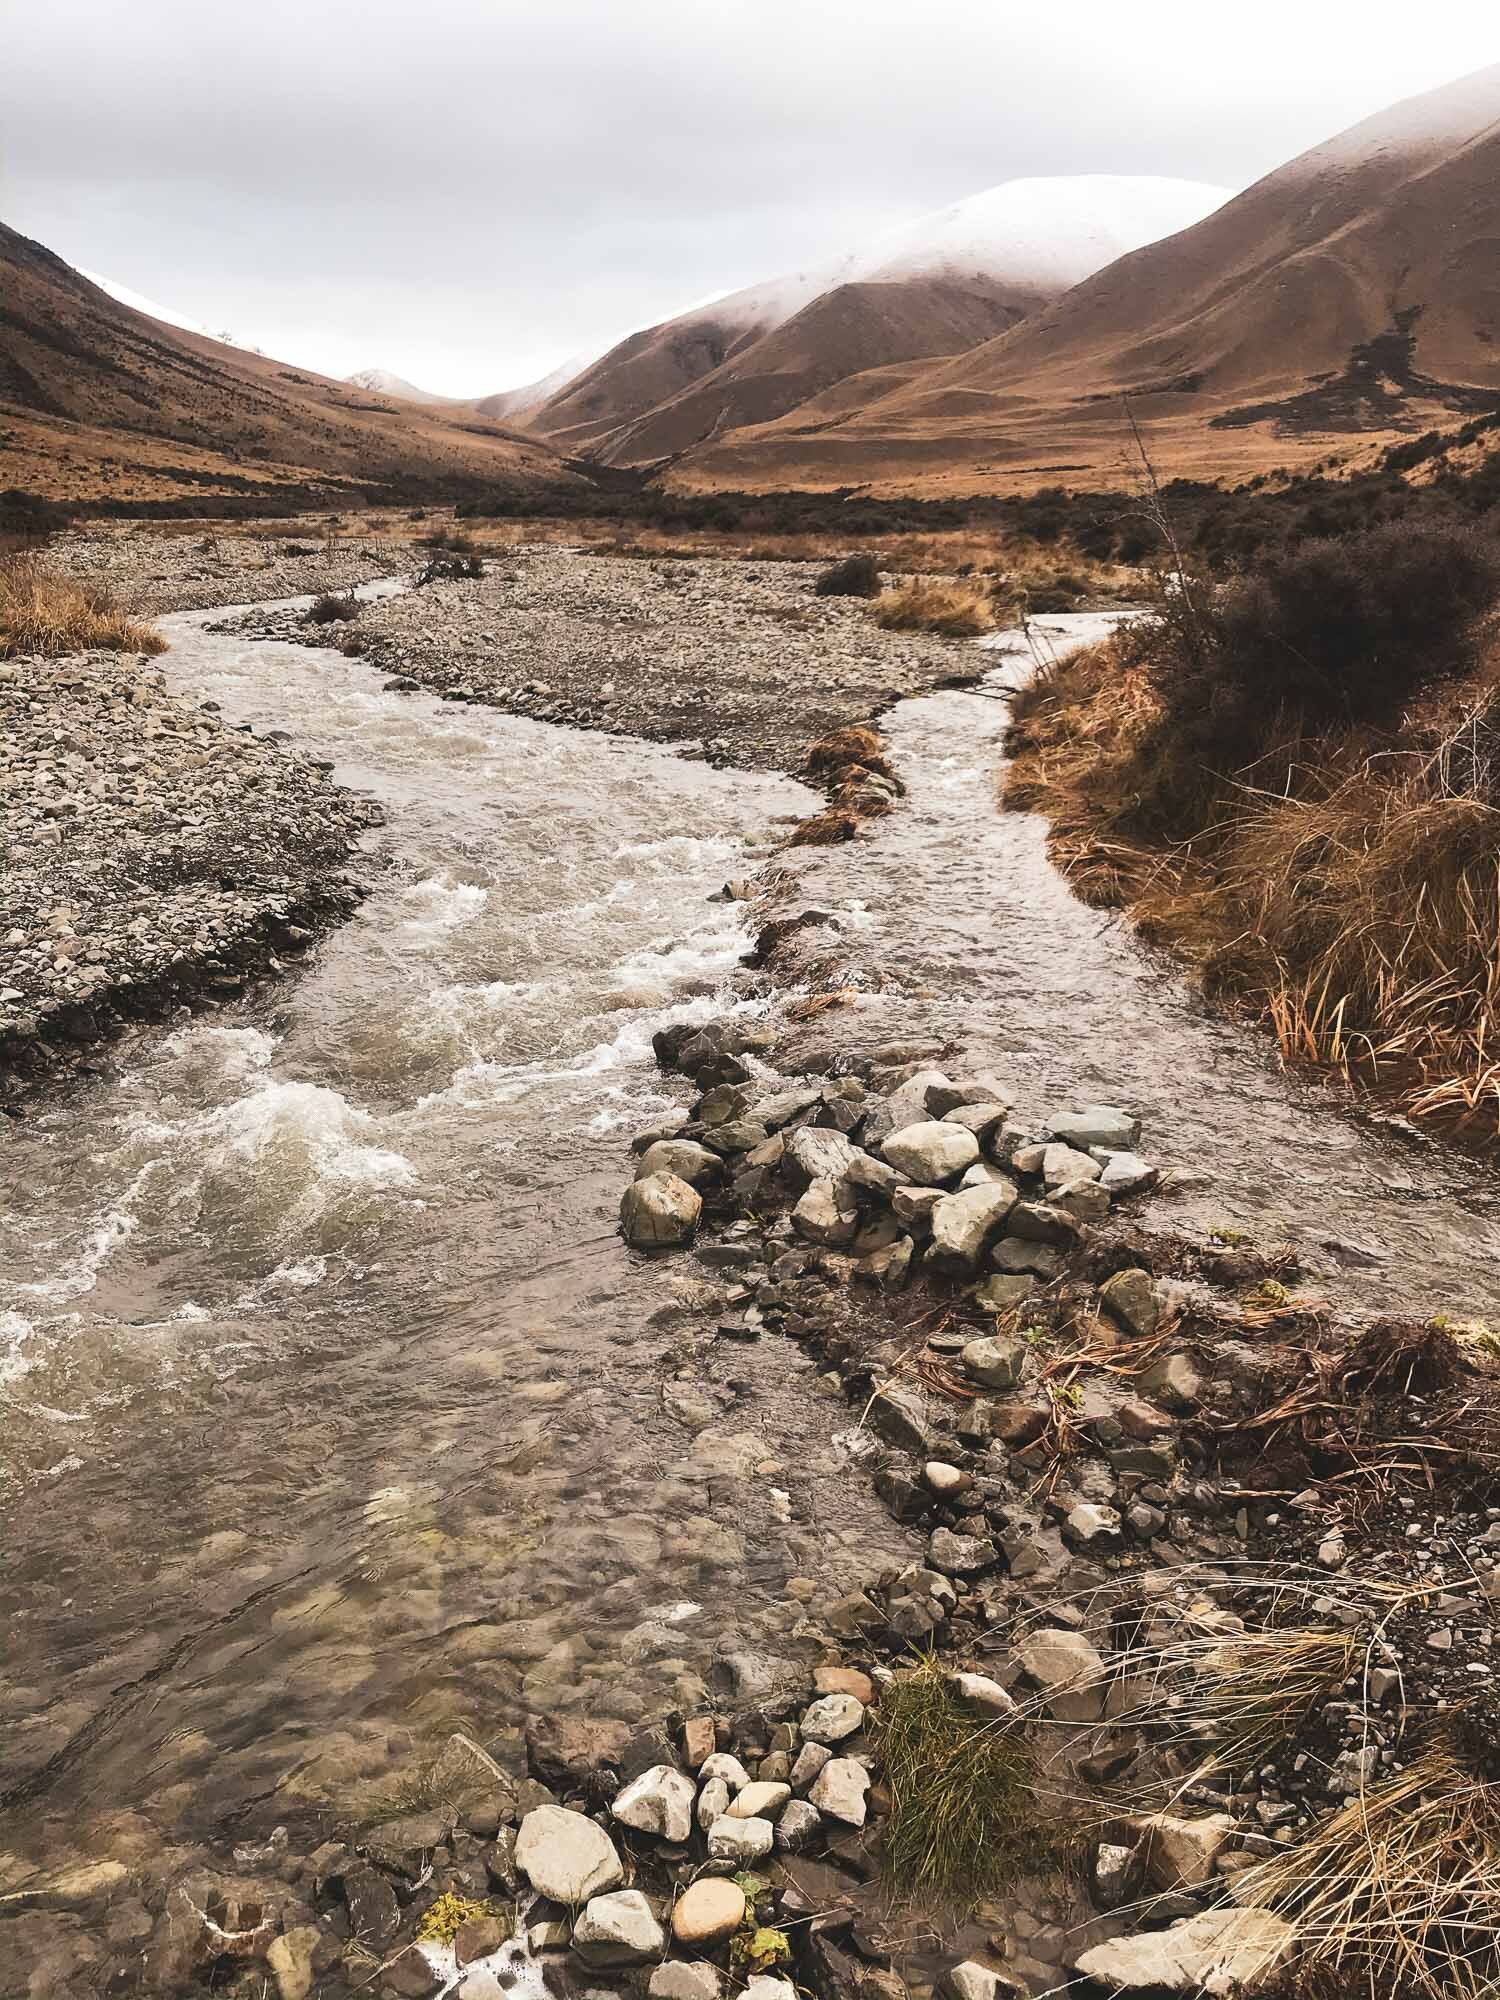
(442, 1923)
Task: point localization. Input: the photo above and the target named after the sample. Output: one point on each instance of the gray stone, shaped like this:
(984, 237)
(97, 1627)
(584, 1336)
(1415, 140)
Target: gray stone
(739, 1840)
(960, 1555)
(980, 1119)
(865, 1171)
(996, 1363)
(660, 1212)
(1102, 1125)
(817, 1154)
(766, 1987)
(722, 1765)
(1183, 1848)
(798, 1827)
(1124, 1173)
(826, 1214)
(1041, 1222)
(675, 1979)
(931, 1153)
(1013, 1254)
(969, 1980)
(1062, 1166)
(980, 1692)
(565, 1855)
(833, 1717)
(1085, 1201)
(1174, 1382)
(840, 1790)
(659, 1801)
(713, 1803)
(774, 1112)
(810, 1760)
(913, 1206)
(618, 1929)
(1069, 1671)
(1222, 1951)
(906, 1105)
(1002, 1293)
(1130, 1298)
(963, 1223)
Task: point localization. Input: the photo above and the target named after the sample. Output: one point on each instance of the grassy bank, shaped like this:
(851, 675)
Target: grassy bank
(42, 612)
(1294, 779)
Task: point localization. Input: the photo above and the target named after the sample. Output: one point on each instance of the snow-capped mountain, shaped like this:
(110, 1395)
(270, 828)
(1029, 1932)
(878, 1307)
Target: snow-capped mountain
(381, 382)
(936, 285)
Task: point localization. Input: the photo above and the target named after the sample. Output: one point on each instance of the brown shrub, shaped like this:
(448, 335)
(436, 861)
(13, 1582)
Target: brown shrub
(42, 612)
(826, 829)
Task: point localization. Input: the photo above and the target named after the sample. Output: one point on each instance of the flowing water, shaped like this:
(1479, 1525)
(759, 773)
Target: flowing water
(333, 1414)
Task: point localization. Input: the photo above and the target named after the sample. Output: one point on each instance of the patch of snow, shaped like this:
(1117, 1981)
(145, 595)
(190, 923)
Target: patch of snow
(138, 302)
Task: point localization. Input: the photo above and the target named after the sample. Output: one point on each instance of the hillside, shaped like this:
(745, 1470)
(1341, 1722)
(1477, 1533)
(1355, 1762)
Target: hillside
(381, 382)
(100, 403)
(1352, 295)
(934, 287)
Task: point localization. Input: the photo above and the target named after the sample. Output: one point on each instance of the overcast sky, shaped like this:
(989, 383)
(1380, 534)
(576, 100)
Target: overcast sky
(469, 191)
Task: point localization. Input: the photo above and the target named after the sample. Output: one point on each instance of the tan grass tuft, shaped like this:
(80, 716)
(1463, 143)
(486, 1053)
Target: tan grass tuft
(952, 610)
(47, 614)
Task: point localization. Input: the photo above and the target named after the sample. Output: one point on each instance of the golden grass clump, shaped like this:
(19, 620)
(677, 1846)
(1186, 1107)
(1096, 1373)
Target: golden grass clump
(1399, 1890)
(1354, 909)
(953, 610)
(963, 1819)
(47, 614)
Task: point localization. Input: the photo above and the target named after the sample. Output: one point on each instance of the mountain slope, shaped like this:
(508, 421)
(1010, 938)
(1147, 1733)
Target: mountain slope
(381, 382)
(1353, 293)
(99, 403)
(932, 287)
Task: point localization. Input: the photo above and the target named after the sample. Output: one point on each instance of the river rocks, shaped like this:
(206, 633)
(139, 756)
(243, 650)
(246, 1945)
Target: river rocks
(960, 1555)
(1101, 1125)
(970, 1980)
(1221, 1951)
(810, 1760)
(684, 1158)
(741, 1841)
(833, 1717)
(1125, 1173)
(1063, 1166)
(931, 1153)
(660, 1212)
(707, 1912)
(1181, 1850)
(840, 1790)
(1130, 1297)
(1069, 1671)
(816, 1154)
(659, 1801)
(982, 1694)
(826, 1215)
(910, 1103)
(1174, 1382)
(676, 1980)
(797, 1827)
(1003, 1291)
(1043, 1222)
(618, 1929)
(290, 1959)
(963, 1223)
(566, 1856)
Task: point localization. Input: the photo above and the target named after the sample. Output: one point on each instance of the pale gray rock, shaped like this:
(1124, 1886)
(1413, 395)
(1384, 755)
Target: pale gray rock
(660, 1212)
(659, 1801)
(565, 1855)
(739, 1840)
(994, 1362)
(1102, 1125)
(675, 1979)
(1069, 1670)
(815, 1153)
(685, 1158)
(1224, 1951)
(840, 1789)
(1130, 1298)
(931, 1153)
(798, 1827)
(964, 1223)
(833, 1717)
(618, 1929)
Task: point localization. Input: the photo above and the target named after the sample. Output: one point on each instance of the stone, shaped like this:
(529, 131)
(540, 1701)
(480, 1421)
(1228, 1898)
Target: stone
(832, 1717)
(1117, 1874)
(1041, 1222)
(660, 1212)
(816, 1154)
(708, 1912)
(552, 1934)
(1003, 1293)
(810, 1760)
(980, 1119)
(1220, 1952)
(963, 1224)
(844, 1680)
(1181, 1851)
(775, 1111)
(840, 1790)
(618, 1929)
(674, 1979)
(994, 1362)
(762, 1798)
(981, 1693)
(290, 1958)
(944, 1480)
(477, 1937)
(931, 1153)
(913, 1206)
(713, 1803)
(1069, 1670)
(798, 1827)
(739, 1840)
(907, 1104)
(1125, 1173)
(566, 1856)
(722, 1765)
(1174, 1382)
(1014, 1255)
(766, 1987)
(1103, 1125)
(827, 1215)
(1085, 1201)
(960, 1555)
(698, 1741)
(1130, 1298)
(1090, 1525)
(1062, 1166)
(407, 1846)
(685, 1158)
(969, 1980)
(659, 1801)
(900, 1415)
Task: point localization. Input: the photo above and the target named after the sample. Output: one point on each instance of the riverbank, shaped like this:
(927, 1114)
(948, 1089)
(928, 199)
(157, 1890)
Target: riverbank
(154, 858)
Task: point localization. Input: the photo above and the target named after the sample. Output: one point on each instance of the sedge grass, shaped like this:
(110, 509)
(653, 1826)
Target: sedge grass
(47, 614)
(952, 610)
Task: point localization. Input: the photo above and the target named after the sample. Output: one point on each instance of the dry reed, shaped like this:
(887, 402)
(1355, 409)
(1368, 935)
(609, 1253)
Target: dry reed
(47, 614)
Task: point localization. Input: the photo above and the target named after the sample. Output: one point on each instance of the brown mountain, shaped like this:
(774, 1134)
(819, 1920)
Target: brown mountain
(99, 402)
(1351, 296)
(933, 287)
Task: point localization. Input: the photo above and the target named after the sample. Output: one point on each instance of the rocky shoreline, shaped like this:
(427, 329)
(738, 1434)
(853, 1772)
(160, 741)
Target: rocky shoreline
(154, 858)
(152, 572)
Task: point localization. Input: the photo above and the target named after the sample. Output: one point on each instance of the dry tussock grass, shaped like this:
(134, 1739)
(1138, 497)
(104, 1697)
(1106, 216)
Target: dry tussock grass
(42, 612)
(1358, 917)
(952, 610)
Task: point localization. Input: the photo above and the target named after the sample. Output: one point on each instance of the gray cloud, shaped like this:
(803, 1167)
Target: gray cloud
(468, 190)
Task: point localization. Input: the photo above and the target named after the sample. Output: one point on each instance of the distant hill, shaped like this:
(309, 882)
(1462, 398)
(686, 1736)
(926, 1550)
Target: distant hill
(100, 402)
(381, 382)
(1352, 295)
(934, 287)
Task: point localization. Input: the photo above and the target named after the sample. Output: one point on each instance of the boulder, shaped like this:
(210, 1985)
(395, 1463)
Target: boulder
(739, 1840)
(798, 1827)
(839, 1790)
(993, 1362)
(707, 1912)
(817, 1154)
(1182, 1849)
(1084, 1201)
(964, 1223)
(1043, 1222)
(713, 1803)
(907, 1104)
(1067, 1667)
(1222, 1951)
(1124, 1173)
(685, 1158)
(722, 1765)
(566, 1856)
(1063, 1165)
(931, 1153)
(762, 1798)
(980, 1119)
(827, 1214)
(810, 1760)
(1014, 1255)
(660, 1212)
(618, 1929)
(659, 1801)
(913, 1206)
